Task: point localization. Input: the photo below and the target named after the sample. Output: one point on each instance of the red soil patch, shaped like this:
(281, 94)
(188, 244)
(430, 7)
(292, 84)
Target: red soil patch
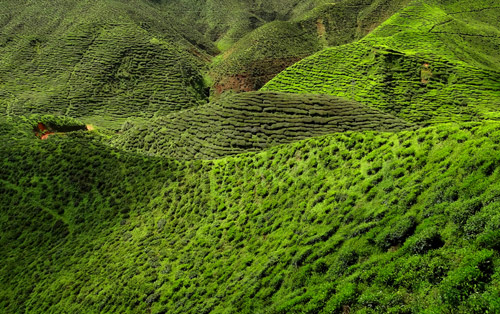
(41, 127)
(42, 131)
(46, 135)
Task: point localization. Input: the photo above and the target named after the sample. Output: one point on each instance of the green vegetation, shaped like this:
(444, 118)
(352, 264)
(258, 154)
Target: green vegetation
(363, 179)
(261, 54)
(104, 61)
(369, 221)
(412, 67)
(251, 122)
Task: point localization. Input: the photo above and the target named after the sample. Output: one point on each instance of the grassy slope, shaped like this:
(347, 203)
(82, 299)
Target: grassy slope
(251, 122)
(107, 59)
(374, 222)
(237, 18)
(412, 66)
(261, 54)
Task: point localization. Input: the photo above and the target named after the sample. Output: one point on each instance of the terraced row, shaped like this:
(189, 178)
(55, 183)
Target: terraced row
(121, 74)
(263, 53)
(411, 67)
(414, 88)
(359, 222)
(251, 122)
(110, 67)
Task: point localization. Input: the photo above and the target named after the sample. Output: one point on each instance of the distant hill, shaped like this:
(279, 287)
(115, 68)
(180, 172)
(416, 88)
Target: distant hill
(264, 52)
(103, 60)
(434, 61)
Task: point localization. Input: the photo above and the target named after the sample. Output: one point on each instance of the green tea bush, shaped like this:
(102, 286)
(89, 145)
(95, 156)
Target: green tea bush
(471, 276)
(396, 235)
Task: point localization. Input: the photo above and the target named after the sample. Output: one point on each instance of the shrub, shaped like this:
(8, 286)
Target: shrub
(466, 209)
(469, 278)
(489, 240)
(398, 234)
(428, 239)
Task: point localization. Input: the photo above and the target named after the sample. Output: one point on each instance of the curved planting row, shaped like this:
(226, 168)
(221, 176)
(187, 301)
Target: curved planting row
(252, 122)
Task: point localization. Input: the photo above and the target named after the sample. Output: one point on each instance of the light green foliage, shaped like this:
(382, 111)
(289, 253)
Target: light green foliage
(411, 67)
(363, 179)
(322, 224)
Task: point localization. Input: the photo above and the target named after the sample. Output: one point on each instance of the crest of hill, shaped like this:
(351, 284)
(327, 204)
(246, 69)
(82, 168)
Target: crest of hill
(433, 61)
(252, 122)
(373, 221)
(103, 60)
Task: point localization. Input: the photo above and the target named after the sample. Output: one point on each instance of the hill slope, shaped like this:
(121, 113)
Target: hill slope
(412, 67)
(264, 52)
(108, 60)
(369, 222)
(252, 122)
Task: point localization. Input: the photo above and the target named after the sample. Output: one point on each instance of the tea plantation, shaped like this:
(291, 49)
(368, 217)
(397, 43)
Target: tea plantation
(412, 66)
(251, 122)
(366, 221)
(270, 157)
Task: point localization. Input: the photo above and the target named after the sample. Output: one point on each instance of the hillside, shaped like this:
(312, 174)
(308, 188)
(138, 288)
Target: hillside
(251, 122)
(270, 157)
(412, 66)
(365, 221)
(104, 61)
(269, 49)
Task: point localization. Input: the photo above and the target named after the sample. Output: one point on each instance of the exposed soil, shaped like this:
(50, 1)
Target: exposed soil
(239, 83)
(259, 73)
(321, 28)
(42, 132)
(46, 135)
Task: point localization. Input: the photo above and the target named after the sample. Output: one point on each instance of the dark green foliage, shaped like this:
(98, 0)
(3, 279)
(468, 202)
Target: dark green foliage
(251, 122)
(398, 232)
(470, 277)
(429, 239)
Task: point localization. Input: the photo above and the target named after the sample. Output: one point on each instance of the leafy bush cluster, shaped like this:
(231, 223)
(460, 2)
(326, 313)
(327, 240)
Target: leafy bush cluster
(251, 121)
(322, 225)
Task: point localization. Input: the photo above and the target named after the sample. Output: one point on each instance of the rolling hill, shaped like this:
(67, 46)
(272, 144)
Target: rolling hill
(264, 52)
(105, 61)
(251, 121)
(358, 221)
(411, 66)
(362, 177)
